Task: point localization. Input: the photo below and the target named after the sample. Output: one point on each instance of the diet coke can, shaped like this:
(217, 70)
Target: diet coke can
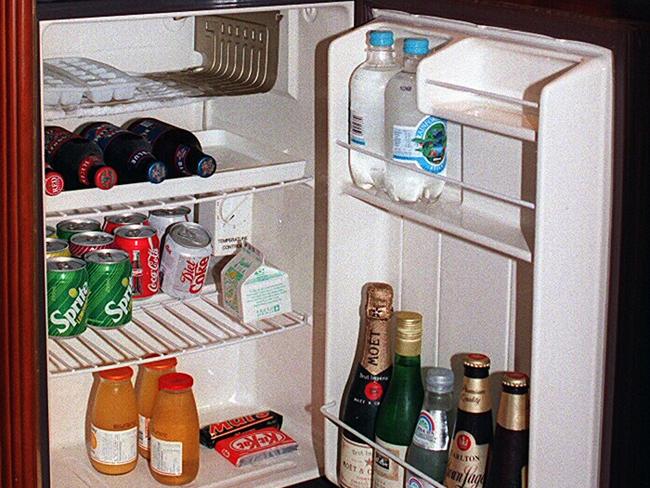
(112, 222)
(162, 218)
(141, 243)
(84, 242)
(185, 259)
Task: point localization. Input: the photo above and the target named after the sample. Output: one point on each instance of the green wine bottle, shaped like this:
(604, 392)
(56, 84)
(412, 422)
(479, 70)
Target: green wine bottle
(399, 411)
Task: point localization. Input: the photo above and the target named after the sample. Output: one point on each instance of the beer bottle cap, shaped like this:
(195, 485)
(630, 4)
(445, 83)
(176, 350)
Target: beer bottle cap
(117, 374)
(105, 178)
(379, 303)
(439, 380)
(477, 360)
(409, 333)
(515, 379)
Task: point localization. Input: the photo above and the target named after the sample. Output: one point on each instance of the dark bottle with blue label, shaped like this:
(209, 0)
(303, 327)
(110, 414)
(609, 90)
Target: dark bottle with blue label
(178, 148)
(127, 152)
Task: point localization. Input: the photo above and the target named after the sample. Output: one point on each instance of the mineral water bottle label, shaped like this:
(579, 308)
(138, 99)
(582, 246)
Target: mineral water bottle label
(387, 473)
(357, 135)
(424, 144)
(113, 447)
(355, 467)
(467, 462)
(431, 431)
(143, 432)
(166, 457)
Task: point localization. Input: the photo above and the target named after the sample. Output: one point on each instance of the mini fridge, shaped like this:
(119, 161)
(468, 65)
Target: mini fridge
(516, 260)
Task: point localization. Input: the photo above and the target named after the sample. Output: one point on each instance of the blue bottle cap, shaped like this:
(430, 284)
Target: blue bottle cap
(416, 46)
(381, 38)
(157, 172)
(206, 167)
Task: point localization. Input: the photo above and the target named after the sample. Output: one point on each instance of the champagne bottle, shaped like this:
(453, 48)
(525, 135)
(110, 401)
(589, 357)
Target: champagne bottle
(367, 383)
(473, 432)
(399, 411)
(429, 449)
(509, 454)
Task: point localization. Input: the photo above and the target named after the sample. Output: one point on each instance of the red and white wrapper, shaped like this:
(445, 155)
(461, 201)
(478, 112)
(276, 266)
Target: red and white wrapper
(255, 445)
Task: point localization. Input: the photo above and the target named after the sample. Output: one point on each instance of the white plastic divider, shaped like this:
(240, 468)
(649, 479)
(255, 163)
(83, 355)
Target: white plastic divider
(163, 326)
(328, 411)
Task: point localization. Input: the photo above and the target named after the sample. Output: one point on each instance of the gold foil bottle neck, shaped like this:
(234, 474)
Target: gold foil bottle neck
(513, 411)
(477, 360)
(379, 301)
(515, 379)
(409, 333)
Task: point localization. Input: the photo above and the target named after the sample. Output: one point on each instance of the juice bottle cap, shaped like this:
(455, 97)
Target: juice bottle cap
(380, 38)
(167, 363)
(117, 374)
(416, 46)
(439, 380)
(175, 382)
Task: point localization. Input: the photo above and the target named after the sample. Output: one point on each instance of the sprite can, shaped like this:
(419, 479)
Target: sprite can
(109, 277)
(67, 228)
(67, 297)
(56, 247)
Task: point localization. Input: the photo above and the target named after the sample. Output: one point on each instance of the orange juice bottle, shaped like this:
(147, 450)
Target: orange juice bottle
(146, 390)
(174, 431)
(114, 423)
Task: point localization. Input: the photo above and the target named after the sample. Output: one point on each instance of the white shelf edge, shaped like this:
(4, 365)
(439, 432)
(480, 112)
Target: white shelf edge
(327, 411)
(454, 219)
(100, 351)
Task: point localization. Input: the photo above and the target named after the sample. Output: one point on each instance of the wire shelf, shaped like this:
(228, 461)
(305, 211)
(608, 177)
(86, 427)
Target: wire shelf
(329, 410)
(164, 326)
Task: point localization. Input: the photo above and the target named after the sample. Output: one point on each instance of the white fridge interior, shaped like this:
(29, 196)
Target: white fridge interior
(512, 261)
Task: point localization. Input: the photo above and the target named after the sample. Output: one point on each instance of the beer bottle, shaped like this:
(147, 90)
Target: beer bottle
(473, 432)
(509, 453)
(399, 411)
(79, 161)
(429, 449)
(178, 148)
(367, 383)
(129, 153)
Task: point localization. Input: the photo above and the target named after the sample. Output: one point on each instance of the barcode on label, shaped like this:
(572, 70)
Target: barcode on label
(356, 125)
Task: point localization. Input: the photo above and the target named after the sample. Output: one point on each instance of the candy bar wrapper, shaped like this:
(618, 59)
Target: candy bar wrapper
(211, 434)
(256, 445)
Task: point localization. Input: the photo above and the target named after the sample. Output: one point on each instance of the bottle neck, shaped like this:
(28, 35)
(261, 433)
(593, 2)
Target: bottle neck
(380, 56)
(408, 364)
(434, 400)
(475, 397)
(189, 160)
(513, 411)
(411, 63)
(376, 347)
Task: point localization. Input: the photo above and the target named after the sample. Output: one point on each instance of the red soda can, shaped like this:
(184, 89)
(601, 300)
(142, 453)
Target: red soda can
(84, 242)
(185, 259)
(141, 243)
(112, 222)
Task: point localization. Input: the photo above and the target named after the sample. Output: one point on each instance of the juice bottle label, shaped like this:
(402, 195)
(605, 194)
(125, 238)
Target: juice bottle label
(113, 447)
(424, 144)
(355, 467)
(143, 432)
(387, 473)
(166, 457)
(431, 431)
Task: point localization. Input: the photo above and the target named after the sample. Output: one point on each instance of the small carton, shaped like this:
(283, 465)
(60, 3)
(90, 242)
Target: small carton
(252, 289)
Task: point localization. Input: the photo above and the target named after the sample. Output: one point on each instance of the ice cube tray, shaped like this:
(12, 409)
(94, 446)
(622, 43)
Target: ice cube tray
(59, 88)
(100, 82)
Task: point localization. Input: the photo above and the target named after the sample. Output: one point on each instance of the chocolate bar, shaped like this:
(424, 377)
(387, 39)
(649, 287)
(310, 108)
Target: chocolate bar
(256, 445)
(211, 434)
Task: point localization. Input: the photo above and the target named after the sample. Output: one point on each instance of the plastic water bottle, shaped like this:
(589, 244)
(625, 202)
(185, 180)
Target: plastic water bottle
(367, 86)
(428, 450)
(412, 137)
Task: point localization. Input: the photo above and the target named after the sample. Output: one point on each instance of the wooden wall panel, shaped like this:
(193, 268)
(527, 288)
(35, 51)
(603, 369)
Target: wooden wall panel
(23, 434)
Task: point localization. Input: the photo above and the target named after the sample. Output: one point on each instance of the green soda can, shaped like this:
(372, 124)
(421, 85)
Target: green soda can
(109, 279)
(67, 297)
(66, 228)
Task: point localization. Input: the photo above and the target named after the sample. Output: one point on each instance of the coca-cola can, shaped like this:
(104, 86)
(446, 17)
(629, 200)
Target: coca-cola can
(142, 244)
(162, 218)
(185, 259)
(112, 222)
(84, 242)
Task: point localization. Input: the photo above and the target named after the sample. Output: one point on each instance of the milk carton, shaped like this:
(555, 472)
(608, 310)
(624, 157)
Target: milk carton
(252, 289)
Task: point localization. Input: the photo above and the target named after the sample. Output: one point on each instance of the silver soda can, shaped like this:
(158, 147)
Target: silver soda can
(112, 222)
(185, 259)
(85, 242)
(162, 218)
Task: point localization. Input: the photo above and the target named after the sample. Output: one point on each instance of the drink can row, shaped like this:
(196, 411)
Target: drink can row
(67, 296)
(142, 245)
(56, 248)
(185, 259)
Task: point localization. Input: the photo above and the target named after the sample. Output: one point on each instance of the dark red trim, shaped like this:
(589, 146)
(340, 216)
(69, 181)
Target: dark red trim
(23, 450)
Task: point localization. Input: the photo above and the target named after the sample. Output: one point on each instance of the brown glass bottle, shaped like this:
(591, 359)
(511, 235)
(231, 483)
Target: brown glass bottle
(509, 453)
(473, 432)
(366, 388)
